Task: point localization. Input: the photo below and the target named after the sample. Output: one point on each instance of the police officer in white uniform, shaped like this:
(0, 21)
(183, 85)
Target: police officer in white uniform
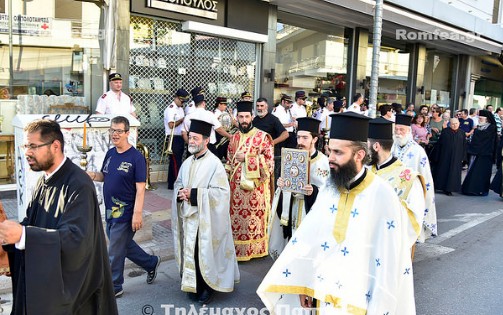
(173, 118)
(115, 102)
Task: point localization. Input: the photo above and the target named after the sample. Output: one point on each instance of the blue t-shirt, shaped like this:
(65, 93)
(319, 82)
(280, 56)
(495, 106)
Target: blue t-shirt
(122, 171)
(465, 124)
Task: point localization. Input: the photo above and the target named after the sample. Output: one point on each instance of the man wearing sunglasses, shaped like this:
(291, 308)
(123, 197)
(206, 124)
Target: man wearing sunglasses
(58, 254)
(124, 175)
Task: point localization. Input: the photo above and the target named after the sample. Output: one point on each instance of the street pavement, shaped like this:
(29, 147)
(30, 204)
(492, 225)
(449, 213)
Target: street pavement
(458, 272)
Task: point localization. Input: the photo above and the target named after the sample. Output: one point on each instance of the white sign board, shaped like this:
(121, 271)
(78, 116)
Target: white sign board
(26, 25)
(72, 127)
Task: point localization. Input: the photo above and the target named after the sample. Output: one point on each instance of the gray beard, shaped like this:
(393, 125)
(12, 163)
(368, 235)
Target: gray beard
(194, 149)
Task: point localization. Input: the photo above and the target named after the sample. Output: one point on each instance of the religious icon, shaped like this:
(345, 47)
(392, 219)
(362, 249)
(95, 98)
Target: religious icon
(294, 169)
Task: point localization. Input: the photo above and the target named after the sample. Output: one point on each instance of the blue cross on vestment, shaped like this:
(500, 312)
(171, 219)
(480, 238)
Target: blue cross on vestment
(294, 241)
(407, 271)
(333, 208)
(325, 246)
(286, 273)
(345, 251)
(423, 161)
(391, 224)
(378, 262)
(355, 212)
(410, 155)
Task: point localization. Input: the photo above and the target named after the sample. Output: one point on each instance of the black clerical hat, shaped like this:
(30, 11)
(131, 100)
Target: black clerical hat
(308, 124)
(349, 126)
(201, 127)
(402, 119)
(380, 129)
(244, 106)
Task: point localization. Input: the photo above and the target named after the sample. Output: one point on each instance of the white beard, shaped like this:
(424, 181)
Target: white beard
(402, 140)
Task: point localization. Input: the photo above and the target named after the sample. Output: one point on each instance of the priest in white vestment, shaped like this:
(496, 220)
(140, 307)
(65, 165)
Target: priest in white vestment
(350, 255)
(412, 155)
(204, 248)
(289, 209)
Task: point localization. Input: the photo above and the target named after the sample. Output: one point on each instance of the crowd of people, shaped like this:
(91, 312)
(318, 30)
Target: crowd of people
(344, 243)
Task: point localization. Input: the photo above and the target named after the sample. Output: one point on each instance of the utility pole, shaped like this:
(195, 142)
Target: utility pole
(376, 48)
(11, 62)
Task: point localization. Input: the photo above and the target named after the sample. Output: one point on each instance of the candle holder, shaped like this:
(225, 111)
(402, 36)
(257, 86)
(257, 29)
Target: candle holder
(83, 156)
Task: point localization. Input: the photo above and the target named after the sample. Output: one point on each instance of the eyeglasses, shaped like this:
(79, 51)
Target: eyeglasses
(34, 147)
(117, 131)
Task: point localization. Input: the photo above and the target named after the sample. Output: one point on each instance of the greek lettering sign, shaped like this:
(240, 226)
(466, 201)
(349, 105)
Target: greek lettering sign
(26, 25)
(202, 8)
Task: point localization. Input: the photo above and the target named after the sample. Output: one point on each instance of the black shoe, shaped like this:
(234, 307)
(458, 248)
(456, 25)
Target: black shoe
(447, 193)
(192, 296)
(206, 296)
(119, 293)
(151, 275)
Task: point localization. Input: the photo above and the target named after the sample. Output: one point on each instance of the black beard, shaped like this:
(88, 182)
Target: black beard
(342, 177)
(247, 129)
(374, 158)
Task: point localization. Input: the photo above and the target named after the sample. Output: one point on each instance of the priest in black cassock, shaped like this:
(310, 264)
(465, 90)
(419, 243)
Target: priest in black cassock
(58, 254)
(450, 152)
(482, 150)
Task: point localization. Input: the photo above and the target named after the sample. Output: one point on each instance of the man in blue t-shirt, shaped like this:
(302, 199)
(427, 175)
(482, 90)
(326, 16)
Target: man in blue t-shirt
(124, 174)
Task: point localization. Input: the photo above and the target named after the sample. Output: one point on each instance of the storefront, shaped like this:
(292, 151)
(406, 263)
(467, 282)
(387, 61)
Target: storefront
(487, 78)
(215, 45)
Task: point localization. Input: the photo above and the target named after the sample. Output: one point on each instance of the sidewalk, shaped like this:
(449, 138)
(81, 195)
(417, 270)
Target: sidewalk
(157, 204)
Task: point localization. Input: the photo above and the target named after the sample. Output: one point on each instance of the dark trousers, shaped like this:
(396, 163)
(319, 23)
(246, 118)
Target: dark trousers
(122, 246)
(175, 160)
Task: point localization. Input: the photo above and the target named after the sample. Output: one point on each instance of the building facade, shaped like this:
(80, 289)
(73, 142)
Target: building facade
(432, 52)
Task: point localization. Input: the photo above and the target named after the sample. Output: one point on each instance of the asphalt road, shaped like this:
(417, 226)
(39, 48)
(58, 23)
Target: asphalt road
(460, 272)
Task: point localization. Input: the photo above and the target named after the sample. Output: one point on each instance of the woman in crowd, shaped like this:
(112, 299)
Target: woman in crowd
(482, 153)
(419, 131)
(436, 124)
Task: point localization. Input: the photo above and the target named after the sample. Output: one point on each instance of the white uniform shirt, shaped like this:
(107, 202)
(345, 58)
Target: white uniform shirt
(203, 114)
(189, 108)
(169, 116)
(109, 104)
(283, 115)
(298, 111)
(326, 120)
(355, 108)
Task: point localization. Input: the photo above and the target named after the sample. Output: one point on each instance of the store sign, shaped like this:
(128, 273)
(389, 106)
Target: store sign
(201, 8)
(26, 25)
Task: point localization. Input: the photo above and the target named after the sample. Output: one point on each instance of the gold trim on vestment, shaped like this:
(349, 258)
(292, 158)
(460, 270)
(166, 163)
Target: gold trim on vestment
(346, 201)
(336, 301)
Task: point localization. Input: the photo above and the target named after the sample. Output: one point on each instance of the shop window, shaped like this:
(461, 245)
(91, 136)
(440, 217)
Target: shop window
(164, 59)
(68, 9)
(2, 6)
(437, 78)
(39, 69)
(310, 60)
(393, 75)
